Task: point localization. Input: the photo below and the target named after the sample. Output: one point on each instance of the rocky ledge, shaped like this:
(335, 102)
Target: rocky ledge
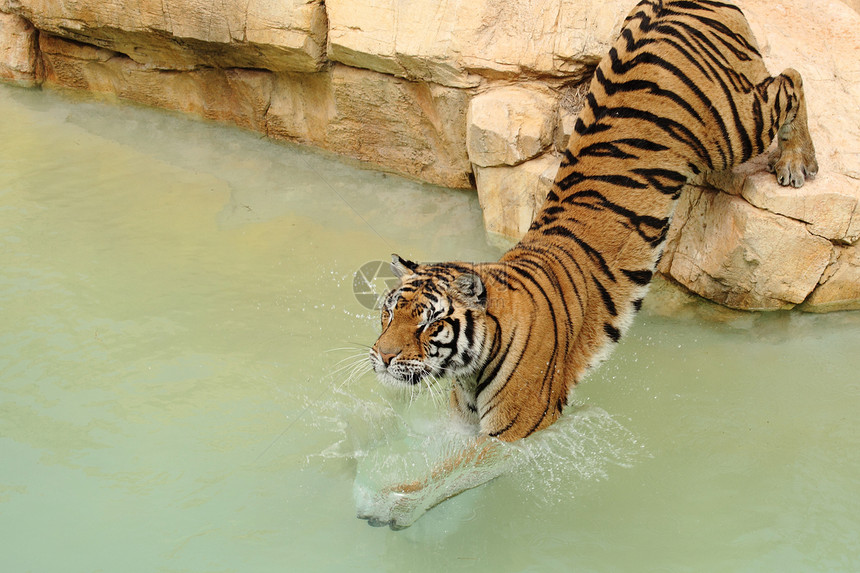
(479, 95)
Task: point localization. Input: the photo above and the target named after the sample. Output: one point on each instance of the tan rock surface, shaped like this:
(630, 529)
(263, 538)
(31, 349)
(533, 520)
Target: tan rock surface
(452, 43)
(828, 203)
(728, 251)
(839, 288)
(753, 258)
(510, 196)
(510, 125)
(186, 34)
(411, 127)
(823, 43)
(854, 4)
(17, 50)
(235, 95)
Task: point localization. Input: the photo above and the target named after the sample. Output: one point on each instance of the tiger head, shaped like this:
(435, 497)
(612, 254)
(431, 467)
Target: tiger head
(434, 324)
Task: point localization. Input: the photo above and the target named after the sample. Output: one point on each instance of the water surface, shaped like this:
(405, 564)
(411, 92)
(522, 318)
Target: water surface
(176, 307)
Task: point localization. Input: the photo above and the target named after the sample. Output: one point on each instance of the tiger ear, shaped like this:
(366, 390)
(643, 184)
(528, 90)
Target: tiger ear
(402, 267)
(469, 288)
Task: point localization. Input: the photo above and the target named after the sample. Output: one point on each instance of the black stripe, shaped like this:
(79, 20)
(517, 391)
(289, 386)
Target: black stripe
(689, 6)
(469, 331)
(758, 120)
(528, 276)
(658, 178)
(606, 149)
(720, 5)
(543, 415)
(620, 180)
(496, 352)
(640, 278)
(713, 56)
(612, 332)
(636, 220)
(607, 298)
(568, 158)
(570, 180)
(592, 253)
(647, 58)
(491, 377)
(500, 277)
(506, 428)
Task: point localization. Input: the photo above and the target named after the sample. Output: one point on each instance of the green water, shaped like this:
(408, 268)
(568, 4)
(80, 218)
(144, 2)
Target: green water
(176, 300)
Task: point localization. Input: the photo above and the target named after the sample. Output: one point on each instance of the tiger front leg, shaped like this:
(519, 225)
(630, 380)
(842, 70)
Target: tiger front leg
(793, 161)
(400, 505)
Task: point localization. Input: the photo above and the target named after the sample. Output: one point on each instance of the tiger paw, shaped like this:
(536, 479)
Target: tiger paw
(792, 166)
(396, 509)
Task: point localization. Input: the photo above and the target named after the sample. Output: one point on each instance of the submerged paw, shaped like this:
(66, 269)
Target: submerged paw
(376, 522)
(387, 507)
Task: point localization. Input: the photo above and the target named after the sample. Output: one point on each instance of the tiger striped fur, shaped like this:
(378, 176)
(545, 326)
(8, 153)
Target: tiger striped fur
(682, 92)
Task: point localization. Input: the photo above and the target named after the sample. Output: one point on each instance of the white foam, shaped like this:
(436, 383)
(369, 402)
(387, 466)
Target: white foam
(396, 441)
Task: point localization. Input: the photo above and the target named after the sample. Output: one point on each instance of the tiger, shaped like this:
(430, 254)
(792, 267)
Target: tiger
(683, 92)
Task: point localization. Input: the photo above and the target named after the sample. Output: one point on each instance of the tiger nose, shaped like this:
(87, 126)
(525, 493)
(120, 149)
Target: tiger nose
(386, 357)
(387, 354)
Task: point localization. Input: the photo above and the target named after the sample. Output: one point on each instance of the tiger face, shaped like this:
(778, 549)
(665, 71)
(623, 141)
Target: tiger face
(433, 324)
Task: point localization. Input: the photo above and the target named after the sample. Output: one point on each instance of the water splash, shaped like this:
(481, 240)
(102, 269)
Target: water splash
(580, 447)
(398, 439)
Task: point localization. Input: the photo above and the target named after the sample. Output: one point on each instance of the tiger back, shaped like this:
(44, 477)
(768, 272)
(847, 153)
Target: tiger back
(682, 92)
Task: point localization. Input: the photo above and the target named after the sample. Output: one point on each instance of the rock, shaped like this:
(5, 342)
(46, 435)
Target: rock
(840, 288)
(301, 108)
(188, 34)
(17, 50)
(831, 209)
(417, 129)
(237, 96)
(854, 4)
(670, 300)
(411, 128)
(510, 196)
(510, 125)
(455, 43)
(828, 203)
(726, 250)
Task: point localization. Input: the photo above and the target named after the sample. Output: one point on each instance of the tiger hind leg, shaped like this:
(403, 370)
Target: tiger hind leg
(793, 161)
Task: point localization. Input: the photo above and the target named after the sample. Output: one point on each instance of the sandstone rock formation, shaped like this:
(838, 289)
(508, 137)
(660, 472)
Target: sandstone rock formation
(510, 196)
(17, 50)
(187, 34)
(460, 43)
(482, 94)
(510, 125)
